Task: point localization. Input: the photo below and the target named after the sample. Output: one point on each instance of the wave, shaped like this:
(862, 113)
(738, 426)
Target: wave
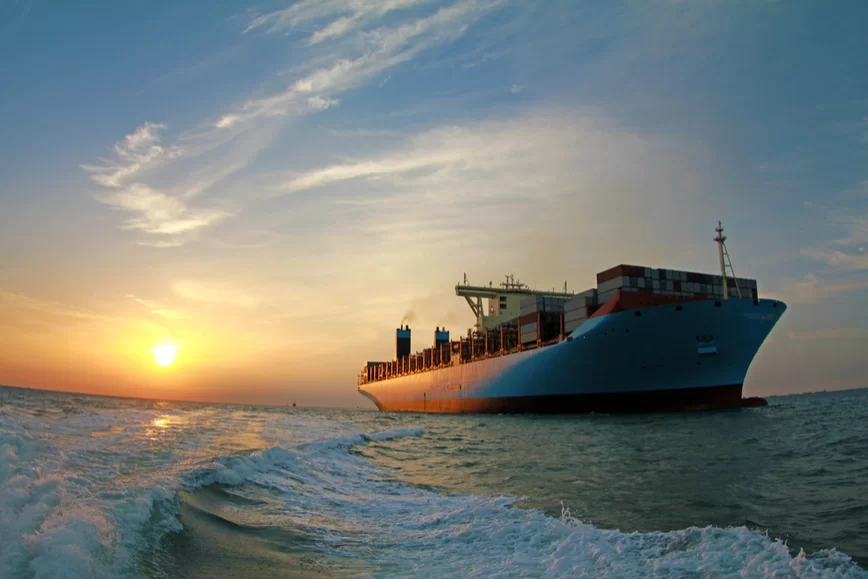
(354, 509)
(90, 495)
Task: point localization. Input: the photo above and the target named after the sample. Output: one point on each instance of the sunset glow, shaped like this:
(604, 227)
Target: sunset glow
(248, 213)
(164, 354)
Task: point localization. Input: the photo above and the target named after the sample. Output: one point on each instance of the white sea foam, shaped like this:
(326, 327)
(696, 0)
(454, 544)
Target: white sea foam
(64, 509)
(403, 530)
(87, 493)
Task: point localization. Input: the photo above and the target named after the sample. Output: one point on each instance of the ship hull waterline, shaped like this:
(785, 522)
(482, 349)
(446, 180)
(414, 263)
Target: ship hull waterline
(693, 356)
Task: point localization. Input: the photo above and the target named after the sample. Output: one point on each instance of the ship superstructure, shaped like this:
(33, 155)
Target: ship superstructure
(643, 339)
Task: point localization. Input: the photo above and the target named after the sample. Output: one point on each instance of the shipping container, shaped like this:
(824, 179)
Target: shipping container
(570, 327)
(603, 297)
(575, 317)
(528, 337)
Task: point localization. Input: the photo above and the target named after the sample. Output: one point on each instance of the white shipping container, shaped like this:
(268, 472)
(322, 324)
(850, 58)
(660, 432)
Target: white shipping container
(655, 285)
(580, 310)
(610, 284)
(591, 293)
(603, 297)
(572, 326)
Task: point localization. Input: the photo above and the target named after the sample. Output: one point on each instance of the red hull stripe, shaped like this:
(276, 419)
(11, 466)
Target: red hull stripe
(624, 301)
(682, 399)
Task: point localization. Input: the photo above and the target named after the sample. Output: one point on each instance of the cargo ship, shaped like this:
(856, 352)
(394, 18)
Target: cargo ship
(643, 340)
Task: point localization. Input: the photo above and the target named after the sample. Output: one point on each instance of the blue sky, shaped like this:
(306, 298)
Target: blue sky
(275, 185)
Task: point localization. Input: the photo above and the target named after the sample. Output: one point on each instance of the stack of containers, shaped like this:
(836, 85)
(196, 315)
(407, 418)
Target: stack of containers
(577, 310)
(533, 304)
(545, 307)
(528, 319)
(632, 278)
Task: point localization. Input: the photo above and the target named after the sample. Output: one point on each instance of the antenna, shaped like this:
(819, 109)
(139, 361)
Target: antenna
(724, 261)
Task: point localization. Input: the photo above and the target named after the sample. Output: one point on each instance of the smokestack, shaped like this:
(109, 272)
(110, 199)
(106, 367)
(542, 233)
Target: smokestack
(402, 342)
(441, 336)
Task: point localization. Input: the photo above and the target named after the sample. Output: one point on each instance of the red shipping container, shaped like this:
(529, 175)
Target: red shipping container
(610, 273)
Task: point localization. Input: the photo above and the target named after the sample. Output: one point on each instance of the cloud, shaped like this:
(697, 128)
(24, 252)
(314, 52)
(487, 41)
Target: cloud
(138, 151)
(219, 294)
(318, 103)
(158, 183)
(382, 49)
(162, 244)
(156, 212)
(157, 308)
(159, 213)
(812, 289)
(845, 254)
(12, 302)
(349, 14)
(830, 334)
(528, 149)
(840, 260)
(337, 28)
(530, 194)
(485, 57)
(364, 133)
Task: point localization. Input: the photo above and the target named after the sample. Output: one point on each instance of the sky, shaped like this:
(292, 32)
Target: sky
(274, 187)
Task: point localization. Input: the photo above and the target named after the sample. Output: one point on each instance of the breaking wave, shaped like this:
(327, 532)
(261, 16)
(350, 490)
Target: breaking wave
(92, 494)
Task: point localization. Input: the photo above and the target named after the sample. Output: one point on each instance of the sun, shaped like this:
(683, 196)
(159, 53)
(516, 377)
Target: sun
(164, 354)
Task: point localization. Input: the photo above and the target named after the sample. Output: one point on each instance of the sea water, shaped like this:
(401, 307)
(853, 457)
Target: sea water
(108, 487)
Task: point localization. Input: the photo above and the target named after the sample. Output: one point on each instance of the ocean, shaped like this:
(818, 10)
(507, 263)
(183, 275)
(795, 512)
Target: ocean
(108, 487)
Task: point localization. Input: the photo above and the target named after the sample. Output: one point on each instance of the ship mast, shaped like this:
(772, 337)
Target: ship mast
(724, 259)
(720, 239)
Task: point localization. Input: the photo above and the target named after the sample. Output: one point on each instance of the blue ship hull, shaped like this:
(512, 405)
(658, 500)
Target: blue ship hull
(688, 356)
